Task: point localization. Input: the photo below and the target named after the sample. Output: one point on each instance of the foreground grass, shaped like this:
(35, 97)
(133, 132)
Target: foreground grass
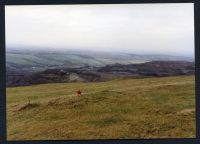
(126, 108)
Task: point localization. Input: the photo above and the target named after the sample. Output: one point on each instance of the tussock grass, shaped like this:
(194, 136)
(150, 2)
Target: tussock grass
(29, 106)
(118, 109)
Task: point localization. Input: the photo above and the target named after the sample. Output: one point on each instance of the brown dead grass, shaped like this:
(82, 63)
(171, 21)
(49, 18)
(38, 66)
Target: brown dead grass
(29, 106)
(119, 109)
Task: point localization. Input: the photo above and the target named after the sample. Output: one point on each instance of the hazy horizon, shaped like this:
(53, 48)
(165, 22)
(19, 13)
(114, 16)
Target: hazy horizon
(160, 29)
(39, 49)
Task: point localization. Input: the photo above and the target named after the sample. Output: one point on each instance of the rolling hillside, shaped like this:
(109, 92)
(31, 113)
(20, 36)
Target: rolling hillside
(95, 74)
(117, 109)
(37, 60)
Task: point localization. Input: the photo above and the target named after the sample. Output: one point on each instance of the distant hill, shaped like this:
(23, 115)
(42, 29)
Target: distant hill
(105, 73)
(153, 68)
(35, 60)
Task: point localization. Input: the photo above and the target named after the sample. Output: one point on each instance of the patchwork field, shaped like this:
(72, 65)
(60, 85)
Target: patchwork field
(117, 109)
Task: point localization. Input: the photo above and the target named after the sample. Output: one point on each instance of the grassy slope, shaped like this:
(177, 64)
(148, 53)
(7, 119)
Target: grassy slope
(33, 59)
(47, 59)
(130, 108)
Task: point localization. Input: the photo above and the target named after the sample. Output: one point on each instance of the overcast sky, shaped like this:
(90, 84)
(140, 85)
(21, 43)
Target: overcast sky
(131, 28)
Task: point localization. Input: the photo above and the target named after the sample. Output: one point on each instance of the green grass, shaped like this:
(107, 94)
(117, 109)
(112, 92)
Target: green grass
(123, 108)
(52, 59)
